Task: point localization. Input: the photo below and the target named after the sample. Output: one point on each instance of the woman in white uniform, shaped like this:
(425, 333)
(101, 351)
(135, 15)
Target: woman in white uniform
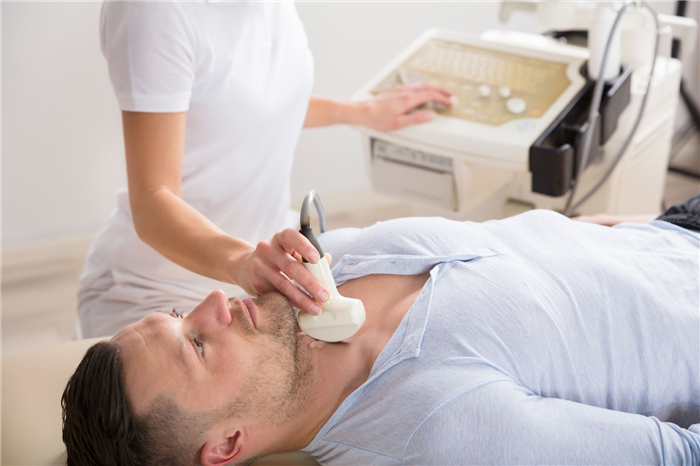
(213, 98)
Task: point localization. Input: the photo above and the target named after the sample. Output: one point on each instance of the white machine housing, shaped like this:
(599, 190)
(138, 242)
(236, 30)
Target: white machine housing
(471, 170)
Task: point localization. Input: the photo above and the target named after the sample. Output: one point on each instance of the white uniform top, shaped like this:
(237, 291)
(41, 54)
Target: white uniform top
(243, 72)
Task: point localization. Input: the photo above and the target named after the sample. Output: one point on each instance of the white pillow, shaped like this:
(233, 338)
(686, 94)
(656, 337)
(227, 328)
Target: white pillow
(32, 385)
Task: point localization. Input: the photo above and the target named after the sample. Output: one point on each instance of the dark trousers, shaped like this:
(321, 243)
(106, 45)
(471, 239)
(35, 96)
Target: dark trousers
(685, 214)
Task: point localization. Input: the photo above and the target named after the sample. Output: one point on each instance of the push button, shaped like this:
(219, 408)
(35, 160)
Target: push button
(484, 91)
(516, 106)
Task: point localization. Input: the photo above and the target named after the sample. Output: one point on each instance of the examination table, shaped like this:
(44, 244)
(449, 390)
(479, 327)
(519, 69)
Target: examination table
(32, 384)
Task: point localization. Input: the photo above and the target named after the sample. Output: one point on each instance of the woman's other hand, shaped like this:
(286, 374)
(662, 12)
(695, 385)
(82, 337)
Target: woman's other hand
(393, 110)
(272, 266)
(389, 111)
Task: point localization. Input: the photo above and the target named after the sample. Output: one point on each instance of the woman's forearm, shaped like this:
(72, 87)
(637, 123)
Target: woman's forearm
(326, 112)
(183, 235)
(154, 146)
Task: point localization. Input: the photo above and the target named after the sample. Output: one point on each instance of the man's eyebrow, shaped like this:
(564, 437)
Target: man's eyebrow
(184, 355)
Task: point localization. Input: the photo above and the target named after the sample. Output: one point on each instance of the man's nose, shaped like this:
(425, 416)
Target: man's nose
(213, 312)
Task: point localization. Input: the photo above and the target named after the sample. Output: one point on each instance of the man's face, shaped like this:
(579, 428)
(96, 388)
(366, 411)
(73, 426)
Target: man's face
(222, 353)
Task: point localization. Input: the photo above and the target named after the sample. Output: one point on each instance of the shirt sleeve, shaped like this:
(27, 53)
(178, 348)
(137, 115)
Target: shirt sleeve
(149, 47)
(504, 423)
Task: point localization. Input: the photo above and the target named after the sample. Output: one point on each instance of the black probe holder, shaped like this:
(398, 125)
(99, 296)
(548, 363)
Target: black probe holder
(554, 157)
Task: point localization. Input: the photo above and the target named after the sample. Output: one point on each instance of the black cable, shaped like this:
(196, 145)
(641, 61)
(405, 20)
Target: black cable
(690, 104)
(569, 209)
(685, 172)
(680, 11)
(594, 111)
(680, 139)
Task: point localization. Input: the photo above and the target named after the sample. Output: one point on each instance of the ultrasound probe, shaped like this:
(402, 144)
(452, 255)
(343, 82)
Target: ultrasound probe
(341, 317)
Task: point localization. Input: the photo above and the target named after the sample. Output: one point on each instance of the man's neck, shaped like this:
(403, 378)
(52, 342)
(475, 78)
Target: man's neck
(338, 369)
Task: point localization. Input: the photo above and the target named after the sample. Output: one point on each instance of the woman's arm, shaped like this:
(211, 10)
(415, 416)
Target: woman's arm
(386, 112)
(154, 144)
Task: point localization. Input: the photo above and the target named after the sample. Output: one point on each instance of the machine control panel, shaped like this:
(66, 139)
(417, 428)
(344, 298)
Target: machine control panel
(490, 86)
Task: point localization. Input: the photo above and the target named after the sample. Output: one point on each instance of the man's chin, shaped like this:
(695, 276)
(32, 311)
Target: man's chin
(276, 315)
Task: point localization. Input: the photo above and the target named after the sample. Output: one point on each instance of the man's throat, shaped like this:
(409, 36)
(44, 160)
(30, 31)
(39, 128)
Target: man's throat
(387, 299)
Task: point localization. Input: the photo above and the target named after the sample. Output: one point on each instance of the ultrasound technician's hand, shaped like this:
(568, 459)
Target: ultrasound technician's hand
(273, 264)
(389, 111)
(392, 110)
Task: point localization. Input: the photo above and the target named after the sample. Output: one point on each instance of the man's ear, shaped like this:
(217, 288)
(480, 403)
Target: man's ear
(223, 449)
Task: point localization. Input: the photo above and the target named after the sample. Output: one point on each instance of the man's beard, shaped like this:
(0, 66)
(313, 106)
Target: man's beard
(279, 321)
(283, 378)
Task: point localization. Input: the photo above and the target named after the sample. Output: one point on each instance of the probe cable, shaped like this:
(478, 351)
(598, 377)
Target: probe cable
(594, 114)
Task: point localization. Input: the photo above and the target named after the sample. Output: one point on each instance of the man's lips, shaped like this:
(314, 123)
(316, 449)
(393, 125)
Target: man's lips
(252, 310)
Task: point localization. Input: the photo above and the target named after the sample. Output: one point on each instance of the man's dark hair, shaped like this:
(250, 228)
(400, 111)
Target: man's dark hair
(100, 427)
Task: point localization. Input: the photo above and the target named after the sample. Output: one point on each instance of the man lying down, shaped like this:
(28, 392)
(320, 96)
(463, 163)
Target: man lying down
(530, 340)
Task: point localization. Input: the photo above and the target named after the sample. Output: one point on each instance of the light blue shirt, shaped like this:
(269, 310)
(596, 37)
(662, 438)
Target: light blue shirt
(536, 340)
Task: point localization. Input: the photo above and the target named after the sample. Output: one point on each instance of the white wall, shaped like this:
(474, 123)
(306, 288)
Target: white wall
(62, 146)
